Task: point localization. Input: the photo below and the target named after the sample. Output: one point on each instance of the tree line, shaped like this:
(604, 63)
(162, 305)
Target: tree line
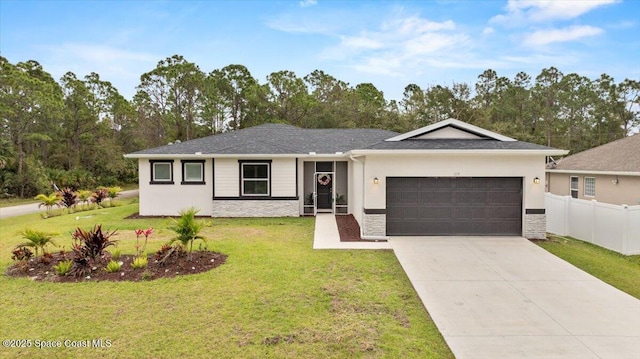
(74, 131)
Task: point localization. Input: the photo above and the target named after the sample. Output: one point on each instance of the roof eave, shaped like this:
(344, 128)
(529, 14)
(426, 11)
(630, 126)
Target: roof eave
(234, 155)
(550, 152)
(590, 172)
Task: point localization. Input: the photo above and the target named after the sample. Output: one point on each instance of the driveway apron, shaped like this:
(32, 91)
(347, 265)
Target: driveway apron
(505, 297)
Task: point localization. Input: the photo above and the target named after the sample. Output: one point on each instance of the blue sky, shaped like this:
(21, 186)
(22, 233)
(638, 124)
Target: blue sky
(387, 43)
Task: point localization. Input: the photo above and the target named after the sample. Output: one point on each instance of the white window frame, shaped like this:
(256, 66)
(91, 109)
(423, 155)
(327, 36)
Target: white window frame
(267, 180)
(571, 189)
(591, 187)
(154, 179)
(198, 163)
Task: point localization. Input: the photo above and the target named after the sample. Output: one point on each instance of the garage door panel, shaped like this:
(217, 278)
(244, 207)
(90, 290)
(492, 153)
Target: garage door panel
(454, 206)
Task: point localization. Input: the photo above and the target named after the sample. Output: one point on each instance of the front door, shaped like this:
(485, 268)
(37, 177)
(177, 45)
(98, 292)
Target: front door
(324, 192)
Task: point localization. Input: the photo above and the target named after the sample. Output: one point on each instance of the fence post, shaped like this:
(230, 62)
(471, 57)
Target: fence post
(594, 218)
(625, 229)
(566, 202)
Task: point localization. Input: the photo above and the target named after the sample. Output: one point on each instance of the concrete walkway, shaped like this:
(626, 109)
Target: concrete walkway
(326, 236)
(19, 210)
(504, 297)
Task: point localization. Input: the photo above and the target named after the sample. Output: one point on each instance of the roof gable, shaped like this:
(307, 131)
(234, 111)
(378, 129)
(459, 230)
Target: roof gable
(450, 129)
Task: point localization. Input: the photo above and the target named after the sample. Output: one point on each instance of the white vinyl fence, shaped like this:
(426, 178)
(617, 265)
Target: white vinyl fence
(610, 226)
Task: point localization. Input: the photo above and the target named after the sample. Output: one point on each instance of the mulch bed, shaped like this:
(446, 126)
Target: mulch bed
(41, 268)
(348, 228)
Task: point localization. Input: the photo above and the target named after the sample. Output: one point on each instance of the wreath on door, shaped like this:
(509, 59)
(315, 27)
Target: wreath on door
(324, 179)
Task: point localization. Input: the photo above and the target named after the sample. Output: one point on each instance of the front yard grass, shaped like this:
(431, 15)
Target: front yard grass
(274, 298)
(622, 272)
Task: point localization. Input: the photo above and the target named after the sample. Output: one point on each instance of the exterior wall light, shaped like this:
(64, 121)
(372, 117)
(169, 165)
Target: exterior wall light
(375, 180)
(536, 180)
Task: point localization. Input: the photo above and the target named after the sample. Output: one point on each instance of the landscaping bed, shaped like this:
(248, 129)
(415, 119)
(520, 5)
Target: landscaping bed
(41, 268)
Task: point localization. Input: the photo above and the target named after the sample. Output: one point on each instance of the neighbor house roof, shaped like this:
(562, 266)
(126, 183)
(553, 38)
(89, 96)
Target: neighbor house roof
(283, 140)
(622, 156)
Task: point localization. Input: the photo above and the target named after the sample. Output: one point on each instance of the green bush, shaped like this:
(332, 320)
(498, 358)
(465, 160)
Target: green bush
(139, 262)
(113, 266)
(115, 254)
(37, 239)
(63, 268)
(187, 229)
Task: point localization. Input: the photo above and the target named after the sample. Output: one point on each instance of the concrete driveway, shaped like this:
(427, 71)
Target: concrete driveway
(504, 297)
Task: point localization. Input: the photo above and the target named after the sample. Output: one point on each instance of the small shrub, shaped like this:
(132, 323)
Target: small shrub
(115, 254)
(63, 268)
(81, 265)
(37, 239)
(84, 196)
(69, 198)
(139, 262)
(187, 229)
(92, 243)
(114, 192)
(21, 253)
(48, 201)
(113, 266)
(99, 196)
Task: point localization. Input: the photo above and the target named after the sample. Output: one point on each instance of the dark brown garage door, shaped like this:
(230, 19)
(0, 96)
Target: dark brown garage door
(440, 206)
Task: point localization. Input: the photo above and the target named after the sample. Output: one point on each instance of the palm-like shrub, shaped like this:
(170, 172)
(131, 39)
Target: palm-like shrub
(187, 229)
(37, 239)
(48, 201)
(114, 192)
(84, 196)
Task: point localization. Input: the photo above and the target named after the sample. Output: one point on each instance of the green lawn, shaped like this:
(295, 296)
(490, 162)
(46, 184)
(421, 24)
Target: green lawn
(622, 272)
(274, 298)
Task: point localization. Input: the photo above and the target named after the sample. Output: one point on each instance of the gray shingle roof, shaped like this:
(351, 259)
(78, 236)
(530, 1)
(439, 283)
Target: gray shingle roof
(622, 155)
(273, 138)
(279, 139)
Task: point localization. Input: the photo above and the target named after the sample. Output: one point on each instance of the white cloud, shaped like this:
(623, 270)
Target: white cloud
(307, 3)
(520, 12)
(398, 46)
(544, 37)
(118, 66)
(488, 31)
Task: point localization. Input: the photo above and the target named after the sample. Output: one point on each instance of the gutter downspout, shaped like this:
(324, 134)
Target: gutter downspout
(375, 238)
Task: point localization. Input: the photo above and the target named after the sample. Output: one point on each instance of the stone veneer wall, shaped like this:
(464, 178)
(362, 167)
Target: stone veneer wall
(374, 225)
(260, 208)
(535, 226)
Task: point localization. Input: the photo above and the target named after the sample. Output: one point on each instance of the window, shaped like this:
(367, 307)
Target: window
(574, 187)
(254, 179)
(590, 186)
(193, 172)
(161, 172)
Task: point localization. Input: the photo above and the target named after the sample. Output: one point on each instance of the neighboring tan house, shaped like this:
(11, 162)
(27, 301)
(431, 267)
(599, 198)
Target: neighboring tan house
(609, 173)
(449, 178)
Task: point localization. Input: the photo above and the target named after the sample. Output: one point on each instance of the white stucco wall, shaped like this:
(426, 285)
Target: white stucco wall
(169, 199)
(452, 165)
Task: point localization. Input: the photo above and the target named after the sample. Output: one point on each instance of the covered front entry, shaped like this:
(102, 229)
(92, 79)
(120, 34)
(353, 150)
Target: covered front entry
(325, 187)
(437, 206)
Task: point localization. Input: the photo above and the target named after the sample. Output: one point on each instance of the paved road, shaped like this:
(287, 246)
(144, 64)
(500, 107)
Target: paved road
(504, 297)
(13, 211)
